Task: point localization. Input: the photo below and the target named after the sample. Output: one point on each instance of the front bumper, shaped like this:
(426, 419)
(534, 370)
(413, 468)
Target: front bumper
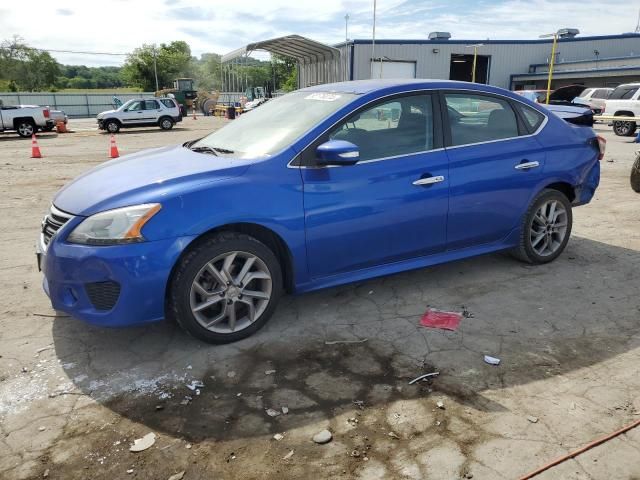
(111, 286)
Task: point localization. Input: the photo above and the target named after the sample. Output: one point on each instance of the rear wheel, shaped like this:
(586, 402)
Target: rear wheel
(635, 174)
(112, 126)
(546, 228)
(624, 129)
(25, 128)
(166, 123)
(225, 288)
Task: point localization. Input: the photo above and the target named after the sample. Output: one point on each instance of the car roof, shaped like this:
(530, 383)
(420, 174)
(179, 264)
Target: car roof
(361, 87)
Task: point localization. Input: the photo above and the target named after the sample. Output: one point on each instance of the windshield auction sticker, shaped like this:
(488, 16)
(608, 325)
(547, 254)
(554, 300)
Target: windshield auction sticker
(325, 97)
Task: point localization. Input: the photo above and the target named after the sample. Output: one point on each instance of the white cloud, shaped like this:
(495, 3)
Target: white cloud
(220, 26)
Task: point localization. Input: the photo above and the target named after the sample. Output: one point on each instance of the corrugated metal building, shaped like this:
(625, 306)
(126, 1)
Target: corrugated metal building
(514, 64)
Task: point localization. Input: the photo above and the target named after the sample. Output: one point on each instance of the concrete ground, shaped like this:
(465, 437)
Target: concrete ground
(74, 397)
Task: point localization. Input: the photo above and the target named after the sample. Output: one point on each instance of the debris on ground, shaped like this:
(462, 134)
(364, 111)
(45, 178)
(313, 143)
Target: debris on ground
(42, 429)
(491, 360)
(532, 419)
(394, 435)
(272, 413)
(442, 320)
(143, 443)
(130, 471)
(352, 421)
(186, 400)
(336, 342)
(188, 446)
(177, 476)
(359, 404)
(269, 372)
(231, 374)
(288, 455)
(46, 473)
(422, 377)
(195, 385)
(323, 437)
(466, 313)
(285, 410)
(278, 436)
(440, 404)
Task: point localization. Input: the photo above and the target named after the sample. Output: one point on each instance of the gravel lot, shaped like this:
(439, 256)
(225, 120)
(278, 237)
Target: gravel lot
(73, 397)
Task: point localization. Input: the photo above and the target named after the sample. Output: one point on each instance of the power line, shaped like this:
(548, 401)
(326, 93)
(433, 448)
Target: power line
(69, 51)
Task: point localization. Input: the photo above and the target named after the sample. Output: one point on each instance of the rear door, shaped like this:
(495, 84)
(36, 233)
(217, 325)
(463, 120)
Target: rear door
(152, 111)
(389, 207)
(495, 164)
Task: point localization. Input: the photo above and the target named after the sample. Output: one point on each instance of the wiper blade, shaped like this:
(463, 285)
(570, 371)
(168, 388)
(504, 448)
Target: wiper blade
(222, 150)
(204, 150)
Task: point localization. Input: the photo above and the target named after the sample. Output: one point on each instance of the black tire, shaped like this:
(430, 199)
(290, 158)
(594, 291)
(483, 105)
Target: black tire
(624, 129)
(165, 123)
(525, 251)
(48, 128)
(112, 126)
(635, 175)
(25, 128)
(202, 252)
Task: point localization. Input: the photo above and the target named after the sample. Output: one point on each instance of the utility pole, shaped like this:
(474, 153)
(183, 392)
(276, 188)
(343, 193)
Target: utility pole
(551, 62)
(346, 28)
(638, 24)
(346, 47)
(475, 60)
(155, 66)
(373, 39)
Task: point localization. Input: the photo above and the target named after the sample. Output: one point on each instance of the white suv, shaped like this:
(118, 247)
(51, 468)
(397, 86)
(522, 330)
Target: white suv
(142, 112)
(624, 101)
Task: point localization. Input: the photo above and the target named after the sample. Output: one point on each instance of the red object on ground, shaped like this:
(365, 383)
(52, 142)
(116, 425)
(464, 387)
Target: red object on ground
(35, 149)
(443, 320)
(113, 149)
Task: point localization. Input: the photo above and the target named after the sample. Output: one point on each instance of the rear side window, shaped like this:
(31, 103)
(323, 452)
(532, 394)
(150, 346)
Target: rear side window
(532, 118)
(168, 103)
(479, 118)
(623, 93)
(151, 105)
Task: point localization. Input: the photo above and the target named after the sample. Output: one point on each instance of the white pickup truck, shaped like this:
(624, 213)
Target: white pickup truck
(24, 119)
(624, 101)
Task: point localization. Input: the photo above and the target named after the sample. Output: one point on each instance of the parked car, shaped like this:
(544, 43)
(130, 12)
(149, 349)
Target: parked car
(311, 190)
(624, 101)
(142, 112)
(24, 119)
(571, 112)
(595, 98)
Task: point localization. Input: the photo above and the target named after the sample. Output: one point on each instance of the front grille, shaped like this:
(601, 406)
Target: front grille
(52, 223)
(103, 295)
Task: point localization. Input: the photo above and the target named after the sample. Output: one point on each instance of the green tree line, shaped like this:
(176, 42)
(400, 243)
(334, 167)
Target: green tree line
(23, 68)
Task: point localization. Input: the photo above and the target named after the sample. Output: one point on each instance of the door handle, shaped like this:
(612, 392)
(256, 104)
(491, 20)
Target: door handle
(429, 180)
(527, 165)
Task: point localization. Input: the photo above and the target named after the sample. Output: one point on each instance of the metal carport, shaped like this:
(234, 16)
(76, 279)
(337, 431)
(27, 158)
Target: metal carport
(317, 62)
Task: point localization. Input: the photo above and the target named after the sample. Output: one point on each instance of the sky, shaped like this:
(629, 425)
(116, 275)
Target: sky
(119, 26)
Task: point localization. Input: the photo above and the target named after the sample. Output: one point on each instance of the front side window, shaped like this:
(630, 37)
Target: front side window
(136, 105)
(479, 118)
(395, 127)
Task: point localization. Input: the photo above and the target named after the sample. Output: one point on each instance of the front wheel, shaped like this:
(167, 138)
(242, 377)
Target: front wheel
(635, 174)
(225, 288)
(624, 129)
(546, 228)
(112, 126)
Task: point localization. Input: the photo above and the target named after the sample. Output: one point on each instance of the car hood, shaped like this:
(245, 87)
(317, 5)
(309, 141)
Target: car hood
(106, 112)
(566, 94)
(146, 176)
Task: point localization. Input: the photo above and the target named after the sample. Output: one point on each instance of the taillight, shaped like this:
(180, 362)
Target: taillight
(46, 113)
(602, 146)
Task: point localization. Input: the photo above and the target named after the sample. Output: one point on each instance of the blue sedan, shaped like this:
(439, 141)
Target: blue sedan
(324, 186)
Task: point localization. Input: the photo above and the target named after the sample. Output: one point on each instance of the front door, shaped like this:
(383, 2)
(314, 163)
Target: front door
(495, 164)
(133, 114)
(391, 205)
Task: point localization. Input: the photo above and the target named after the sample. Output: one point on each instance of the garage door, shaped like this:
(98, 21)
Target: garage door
(391, 69)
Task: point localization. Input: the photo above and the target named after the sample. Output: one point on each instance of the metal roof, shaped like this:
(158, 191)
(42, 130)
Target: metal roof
(292, 46)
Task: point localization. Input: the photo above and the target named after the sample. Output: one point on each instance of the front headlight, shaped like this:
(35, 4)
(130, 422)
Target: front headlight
(122, 225)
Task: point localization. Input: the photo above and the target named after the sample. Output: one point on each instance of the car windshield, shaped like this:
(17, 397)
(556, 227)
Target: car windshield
(274, 125)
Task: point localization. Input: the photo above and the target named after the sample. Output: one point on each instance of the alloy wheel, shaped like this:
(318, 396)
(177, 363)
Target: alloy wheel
(230, 292)
(25, 129)
(548, 228)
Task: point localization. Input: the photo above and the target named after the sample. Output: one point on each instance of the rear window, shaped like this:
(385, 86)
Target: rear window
(532, 118)
(168, 103)
(623, 92)
(601, 93)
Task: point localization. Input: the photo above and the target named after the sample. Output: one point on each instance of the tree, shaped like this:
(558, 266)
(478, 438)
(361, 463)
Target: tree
(172, 60)
(27, 68)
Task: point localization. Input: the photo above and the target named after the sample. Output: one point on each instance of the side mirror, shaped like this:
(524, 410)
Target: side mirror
(338, 152)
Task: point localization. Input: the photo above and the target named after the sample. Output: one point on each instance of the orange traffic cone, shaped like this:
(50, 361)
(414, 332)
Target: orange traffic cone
(194, 112)
(113, 150)
(35, 149)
